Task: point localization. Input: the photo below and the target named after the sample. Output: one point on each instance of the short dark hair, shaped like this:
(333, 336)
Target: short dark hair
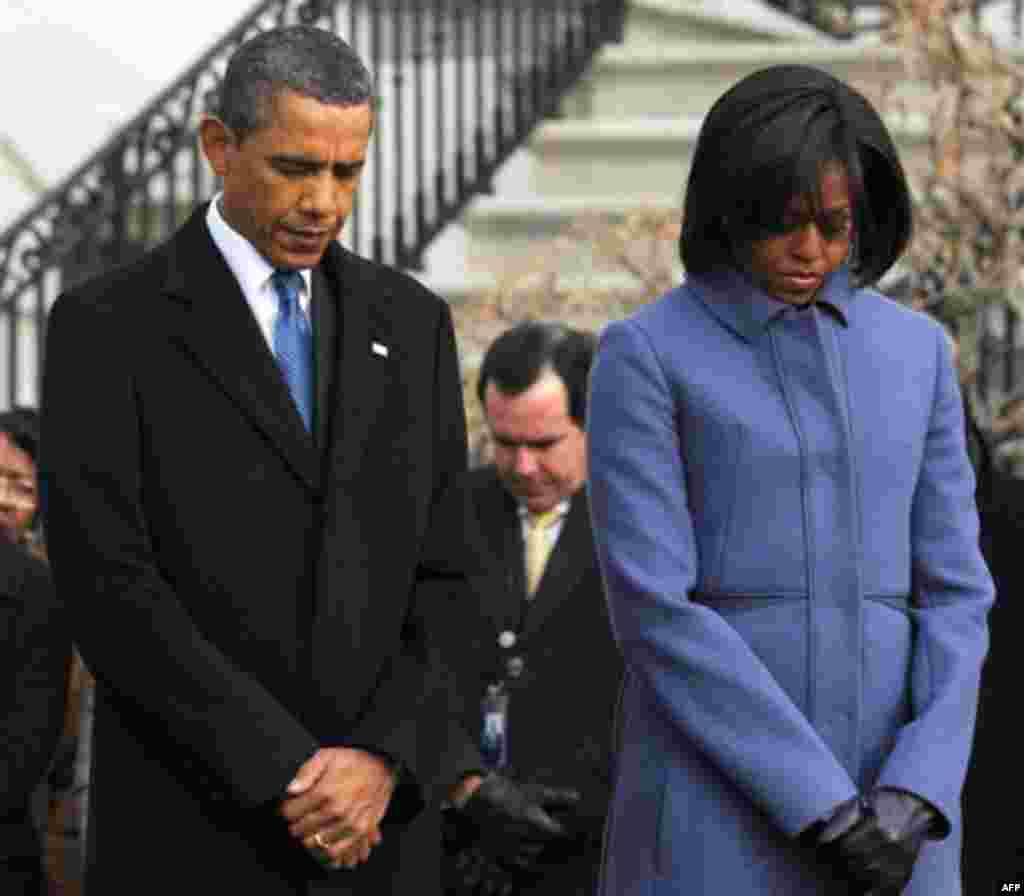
(21, 426)
(520, 356)
(310, 61)
(766, 140)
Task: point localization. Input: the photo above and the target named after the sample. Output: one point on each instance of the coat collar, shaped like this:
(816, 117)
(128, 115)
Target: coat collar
(746, 309)
(220, 332)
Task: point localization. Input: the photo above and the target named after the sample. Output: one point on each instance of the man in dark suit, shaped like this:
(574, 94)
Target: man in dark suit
(245, 433)
(531, 645)
(35, 655)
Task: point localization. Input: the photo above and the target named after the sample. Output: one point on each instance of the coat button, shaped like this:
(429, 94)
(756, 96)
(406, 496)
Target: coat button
(515, 666)
(507, 640)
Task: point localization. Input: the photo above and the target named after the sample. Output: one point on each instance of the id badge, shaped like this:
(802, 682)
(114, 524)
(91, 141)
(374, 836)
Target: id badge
(494, 729)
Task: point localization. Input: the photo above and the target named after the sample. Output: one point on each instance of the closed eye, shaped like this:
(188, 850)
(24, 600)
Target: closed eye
(834, 225)
(290, 167)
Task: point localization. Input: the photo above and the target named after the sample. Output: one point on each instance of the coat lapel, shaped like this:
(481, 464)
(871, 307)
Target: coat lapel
(215, 325)
(499, 581)
(358, 375)
(326, 319)
(572, 556)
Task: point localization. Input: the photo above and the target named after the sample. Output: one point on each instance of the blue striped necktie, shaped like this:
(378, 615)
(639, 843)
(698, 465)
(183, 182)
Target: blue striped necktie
(293, 342)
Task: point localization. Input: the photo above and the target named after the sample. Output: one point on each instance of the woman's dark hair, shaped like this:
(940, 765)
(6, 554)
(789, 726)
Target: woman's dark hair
(520, 356)
(767, 140)
(21, 426)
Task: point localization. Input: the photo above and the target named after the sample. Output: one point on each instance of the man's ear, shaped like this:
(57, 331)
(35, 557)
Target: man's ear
(218, 142)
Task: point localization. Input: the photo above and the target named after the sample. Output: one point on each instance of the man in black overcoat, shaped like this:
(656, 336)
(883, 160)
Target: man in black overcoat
(35, 656)
(534, 632)
(244, 435)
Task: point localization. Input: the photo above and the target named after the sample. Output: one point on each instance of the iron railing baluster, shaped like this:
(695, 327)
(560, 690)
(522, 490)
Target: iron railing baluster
(379, 175)
(398, 138)
(499, 81)
(440, 180)
(461, 112)
(480, 154)
(419, 131)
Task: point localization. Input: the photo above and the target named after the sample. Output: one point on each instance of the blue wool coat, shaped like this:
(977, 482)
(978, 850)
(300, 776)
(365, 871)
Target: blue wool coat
(784, 516)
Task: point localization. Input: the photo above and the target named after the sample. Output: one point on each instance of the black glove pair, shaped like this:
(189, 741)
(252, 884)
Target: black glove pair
(874, 841)
(503, 829)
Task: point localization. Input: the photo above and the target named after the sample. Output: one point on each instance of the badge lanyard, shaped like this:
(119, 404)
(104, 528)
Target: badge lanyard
(494, 729)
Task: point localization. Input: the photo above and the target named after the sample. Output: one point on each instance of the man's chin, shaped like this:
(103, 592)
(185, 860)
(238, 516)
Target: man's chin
(290, 251)
(293, 260)
(538, 503)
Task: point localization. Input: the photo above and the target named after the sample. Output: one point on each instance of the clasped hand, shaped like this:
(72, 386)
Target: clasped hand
(336, 802)
(875, 841)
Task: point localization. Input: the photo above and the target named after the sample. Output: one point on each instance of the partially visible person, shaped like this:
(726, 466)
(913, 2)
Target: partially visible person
(20, 519)
(785, 520)
(60, 795)
(35, 651)
(1008, 436)
(537, 667)
(990, 851)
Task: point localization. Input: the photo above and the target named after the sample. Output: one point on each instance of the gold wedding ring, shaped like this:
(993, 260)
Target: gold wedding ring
(318, 839)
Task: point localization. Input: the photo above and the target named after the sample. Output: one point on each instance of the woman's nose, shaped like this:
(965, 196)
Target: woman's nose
(805, 242)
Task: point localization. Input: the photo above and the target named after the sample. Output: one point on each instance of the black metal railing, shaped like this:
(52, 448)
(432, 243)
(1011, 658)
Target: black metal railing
(460, 85)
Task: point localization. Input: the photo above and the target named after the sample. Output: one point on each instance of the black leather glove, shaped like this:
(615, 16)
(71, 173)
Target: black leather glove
(876, 840)
(513, 821)
(476, 874)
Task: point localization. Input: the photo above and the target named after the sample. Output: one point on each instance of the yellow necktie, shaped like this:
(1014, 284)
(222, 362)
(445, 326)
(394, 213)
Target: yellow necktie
(538, 546)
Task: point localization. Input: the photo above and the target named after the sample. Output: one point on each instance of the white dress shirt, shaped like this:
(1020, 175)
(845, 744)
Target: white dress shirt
(253, 272)
(552, 532)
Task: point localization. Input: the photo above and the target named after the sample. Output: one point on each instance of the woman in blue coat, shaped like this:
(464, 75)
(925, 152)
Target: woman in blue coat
(784, 515)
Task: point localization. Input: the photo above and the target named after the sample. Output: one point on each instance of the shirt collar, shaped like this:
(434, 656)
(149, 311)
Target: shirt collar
(250, 268)
(562, 507)
(748, 310)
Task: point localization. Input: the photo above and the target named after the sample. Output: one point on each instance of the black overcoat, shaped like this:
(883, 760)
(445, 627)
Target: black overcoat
(566, 668)
(242, 591)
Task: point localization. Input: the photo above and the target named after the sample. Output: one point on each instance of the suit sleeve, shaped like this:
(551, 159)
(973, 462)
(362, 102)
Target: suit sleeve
(35, 656)
(700, 673)
(130, 625)
(410, 703)
(952, 596)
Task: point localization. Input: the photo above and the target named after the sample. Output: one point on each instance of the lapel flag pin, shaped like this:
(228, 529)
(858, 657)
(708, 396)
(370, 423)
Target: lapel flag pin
(379, 349)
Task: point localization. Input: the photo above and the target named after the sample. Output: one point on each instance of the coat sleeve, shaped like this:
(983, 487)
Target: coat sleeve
(410, 706)
(130, 625)
(701, 674)
(953, 593)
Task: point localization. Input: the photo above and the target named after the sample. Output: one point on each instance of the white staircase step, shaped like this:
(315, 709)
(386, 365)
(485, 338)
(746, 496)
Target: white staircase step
(628, 158)
(644, 158)
(500, 229)
(656, 22)
(685, 79)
